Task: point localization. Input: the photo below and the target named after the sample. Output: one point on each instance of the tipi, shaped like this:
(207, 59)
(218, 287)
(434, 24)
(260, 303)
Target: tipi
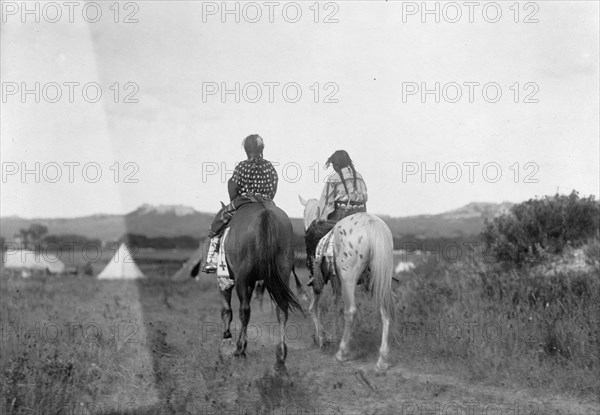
(186, 269)
(121, 266)
(29, 260)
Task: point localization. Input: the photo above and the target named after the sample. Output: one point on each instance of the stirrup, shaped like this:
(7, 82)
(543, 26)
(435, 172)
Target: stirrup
(209, 268)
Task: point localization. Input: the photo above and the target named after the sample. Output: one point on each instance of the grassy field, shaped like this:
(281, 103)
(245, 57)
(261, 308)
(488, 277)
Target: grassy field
(467, 336)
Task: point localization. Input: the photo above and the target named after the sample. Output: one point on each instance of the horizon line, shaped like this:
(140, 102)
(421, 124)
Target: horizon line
(13, 216)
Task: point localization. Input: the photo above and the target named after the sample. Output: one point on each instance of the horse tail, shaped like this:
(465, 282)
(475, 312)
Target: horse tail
(268, 250)
(382, 266)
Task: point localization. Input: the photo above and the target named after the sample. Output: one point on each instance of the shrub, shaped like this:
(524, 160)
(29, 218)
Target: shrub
(539, 227)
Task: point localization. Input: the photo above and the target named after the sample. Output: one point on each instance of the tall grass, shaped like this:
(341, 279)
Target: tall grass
(66, 346)
(535, 326)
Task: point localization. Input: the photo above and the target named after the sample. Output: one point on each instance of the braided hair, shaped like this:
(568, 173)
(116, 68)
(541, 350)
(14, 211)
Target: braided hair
(339, 160)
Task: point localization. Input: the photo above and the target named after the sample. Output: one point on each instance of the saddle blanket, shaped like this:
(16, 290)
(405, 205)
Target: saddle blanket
(224, 279)
(325, 252)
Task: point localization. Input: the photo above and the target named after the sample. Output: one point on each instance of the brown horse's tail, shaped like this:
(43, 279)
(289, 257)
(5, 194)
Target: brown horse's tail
(268, 250)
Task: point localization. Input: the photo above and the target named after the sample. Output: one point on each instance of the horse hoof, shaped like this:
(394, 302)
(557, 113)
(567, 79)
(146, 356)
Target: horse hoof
(226, 347)
(240, 353)
(382, 366)
(319, 341)
(281, 353)
(279, 368)
(226, 342)
(341, 357)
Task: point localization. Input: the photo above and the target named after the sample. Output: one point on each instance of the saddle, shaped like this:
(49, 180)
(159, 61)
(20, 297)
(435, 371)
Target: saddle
(325, 256)
(223, 276)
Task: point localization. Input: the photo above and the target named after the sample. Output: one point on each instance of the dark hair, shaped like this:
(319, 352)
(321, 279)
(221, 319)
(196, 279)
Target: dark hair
(253, 144)
(339, 160)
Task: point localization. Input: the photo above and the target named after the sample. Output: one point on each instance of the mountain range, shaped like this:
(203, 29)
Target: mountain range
(178, 220)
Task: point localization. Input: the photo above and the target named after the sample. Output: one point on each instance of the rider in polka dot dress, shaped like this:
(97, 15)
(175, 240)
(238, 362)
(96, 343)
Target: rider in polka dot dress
(254, 179)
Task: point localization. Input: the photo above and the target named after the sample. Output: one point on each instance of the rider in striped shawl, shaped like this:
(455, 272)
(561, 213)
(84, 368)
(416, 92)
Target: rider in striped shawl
(344, 194)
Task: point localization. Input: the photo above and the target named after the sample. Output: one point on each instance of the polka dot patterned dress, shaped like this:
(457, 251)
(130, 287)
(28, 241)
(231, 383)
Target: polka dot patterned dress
(257, 176)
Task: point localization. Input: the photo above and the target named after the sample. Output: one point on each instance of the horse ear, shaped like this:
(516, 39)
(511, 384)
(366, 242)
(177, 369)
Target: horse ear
(222, 204)
(302, 201)
(318, 211)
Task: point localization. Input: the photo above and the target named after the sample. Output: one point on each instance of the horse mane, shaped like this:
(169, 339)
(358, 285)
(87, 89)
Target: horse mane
(311, 212)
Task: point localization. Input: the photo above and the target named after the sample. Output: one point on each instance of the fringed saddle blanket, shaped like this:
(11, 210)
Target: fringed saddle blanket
(223, 278)
(325, 262)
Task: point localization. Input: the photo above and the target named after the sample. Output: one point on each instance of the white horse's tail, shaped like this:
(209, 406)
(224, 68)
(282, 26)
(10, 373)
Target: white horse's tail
(382, 266)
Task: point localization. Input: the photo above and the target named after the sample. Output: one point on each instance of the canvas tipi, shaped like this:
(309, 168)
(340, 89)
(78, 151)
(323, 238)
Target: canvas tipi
(186, 269)
(30, 260)
(121, 266)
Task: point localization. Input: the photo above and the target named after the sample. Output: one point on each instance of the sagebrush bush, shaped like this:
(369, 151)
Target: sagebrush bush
(539, 227)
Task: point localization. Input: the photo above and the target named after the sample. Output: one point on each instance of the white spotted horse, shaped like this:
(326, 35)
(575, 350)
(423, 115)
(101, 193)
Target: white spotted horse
(363, 253)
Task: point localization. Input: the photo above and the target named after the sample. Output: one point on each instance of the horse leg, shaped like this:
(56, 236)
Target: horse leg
(226, 316)
(338, 306)
(244, 292)
(384, 349)
(260, 293)
(348, 286)
(315, 313)
(299, 288)
(281, 351)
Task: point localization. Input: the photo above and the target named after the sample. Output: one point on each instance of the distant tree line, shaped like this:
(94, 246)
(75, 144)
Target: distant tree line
(36, 237)
(32, 237)
(161, 242)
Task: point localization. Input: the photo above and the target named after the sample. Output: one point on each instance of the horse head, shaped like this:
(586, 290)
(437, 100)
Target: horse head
(311, 210)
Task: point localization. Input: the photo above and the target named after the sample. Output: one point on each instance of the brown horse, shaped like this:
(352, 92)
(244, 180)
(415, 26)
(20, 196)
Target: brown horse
(259, 247)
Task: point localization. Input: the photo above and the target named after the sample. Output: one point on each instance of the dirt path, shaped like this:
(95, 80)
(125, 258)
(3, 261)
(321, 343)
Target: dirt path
(192, 376)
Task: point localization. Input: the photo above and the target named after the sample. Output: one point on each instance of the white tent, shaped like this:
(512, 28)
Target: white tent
(404, 266)
(30, 260)
(121, 266)
(186, 269)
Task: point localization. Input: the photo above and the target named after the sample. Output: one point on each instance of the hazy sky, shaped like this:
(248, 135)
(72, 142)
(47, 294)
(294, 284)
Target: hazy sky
(368, 61)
